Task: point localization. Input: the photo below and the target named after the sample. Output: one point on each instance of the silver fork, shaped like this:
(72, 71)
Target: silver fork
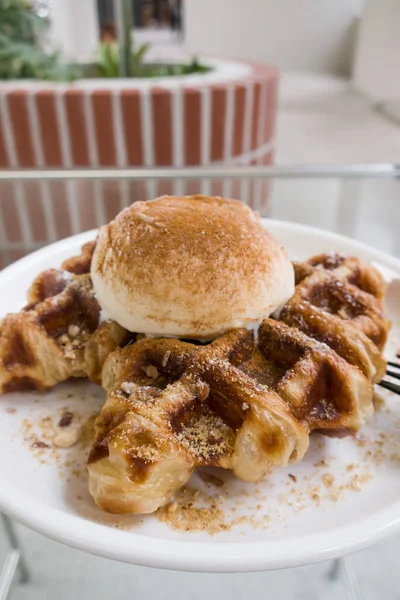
(389, 385)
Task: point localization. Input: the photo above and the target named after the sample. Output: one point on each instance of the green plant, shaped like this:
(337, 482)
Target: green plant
(137, 57)
(23, 39)
(121, 60)
(25, 52)
(109, 56)
(108, 60)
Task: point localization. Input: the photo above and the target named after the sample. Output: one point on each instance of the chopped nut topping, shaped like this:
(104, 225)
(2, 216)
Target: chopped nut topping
(166, 358)
(202, 389)
(151, 371)
(171, 508)
(328, 480)
(66, 419)
(127, 387)
(207, 436)
(67, 438)
(356, 483)
(73, 330)
(40, 444)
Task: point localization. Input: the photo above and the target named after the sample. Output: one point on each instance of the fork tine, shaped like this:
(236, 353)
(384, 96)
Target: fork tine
(393, 374)
(392, 387)
(393, 364)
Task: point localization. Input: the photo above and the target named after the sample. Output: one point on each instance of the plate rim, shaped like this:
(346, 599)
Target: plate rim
(206, 556)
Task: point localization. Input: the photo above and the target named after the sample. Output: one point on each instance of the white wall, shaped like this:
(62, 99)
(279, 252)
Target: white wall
(291, 34)
(74, 28)
(377, 64)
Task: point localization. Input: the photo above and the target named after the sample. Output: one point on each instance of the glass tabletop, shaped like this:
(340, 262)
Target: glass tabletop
(360, 201)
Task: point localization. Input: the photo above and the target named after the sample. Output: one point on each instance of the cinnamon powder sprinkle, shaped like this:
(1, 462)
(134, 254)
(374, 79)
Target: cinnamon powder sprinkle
(328, 480)
(194, 511)
(207, 436)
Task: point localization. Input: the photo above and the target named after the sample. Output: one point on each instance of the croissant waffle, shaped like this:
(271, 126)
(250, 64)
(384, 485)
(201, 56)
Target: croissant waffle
(80, 264)
(339, 301)
(173, 406)
(57, 336)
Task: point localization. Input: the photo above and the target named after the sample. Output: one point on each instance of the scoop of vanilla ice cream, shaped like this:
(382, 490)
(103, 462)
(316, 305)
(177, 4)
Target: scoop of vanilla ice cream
(190, 267)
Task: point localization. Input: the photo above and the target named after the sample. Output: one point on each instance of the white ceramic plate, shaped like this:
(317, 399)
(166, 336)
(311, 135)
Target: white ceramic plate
(343, 496)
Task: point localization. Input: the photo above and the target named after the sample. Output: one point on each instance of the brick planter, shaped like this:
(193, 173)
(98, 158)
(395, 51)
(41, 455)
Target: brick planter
(225, 116)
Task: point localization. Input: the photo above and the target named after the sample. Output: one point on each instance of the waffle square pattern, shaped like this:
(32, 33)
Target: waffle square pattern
(243, 402)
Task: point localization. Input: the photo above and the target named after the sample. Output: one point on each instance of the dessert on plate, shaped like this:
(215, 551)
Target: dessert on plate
(173, 406)
(214, 349)
(192, 267)
(58, 335)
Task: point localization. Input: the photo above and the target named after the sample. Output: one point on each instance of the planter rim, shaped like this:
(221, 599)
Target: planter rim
(223, 71)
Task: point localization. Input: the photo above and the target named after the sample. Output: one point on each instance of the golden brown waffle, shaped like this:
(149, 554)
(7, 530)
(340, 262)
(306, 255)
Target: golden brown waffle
(339, 301)
(80, 264)
(173, 406)
(347, 268)
(322, 389)
(57, 336)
